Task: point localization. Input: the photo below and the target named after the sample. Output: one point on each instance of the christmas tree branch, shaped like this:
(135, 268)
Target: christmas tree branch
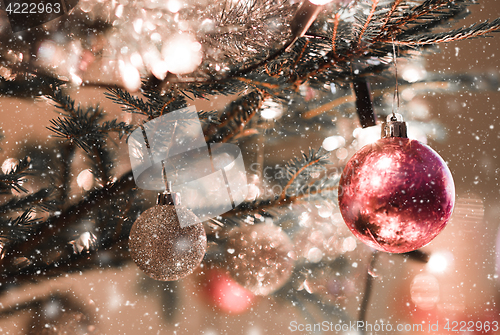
(128, 102)
(15, 178)
(63, 302)
(234, 118)
(330, 105)
(31, 84)
(305, 188)
(367, 22)
(264, 206)
(56, 224)
(102, 164)
(123, 185)
(82, 127)
(68, 262)
(40, 199)
(79, 126)
(15, 231)
(64, 102)
(363, 309)
(473, 31)
(66, 150)
(299, 169)
(378, 43)
(429, 10)
(439, 83)
(404, 21)
(390, 14)
(161, 103)
(342, 54)
(334, 34)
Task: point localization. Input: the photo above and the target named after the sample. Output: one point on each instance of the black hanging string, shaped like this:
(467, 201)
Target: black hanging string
(395, 103)
(364, 103)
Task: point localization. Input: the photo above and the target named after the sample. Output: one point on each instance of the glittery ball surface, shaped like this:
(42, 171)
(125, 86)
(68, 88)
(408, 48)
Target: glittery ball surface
(396, 195)
(258, 257)
(161, 248)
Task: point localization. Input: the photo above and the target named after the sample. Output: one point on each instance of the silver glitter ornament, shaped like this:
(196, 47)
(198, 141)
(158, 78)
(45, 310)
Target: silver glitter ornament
(161, 248)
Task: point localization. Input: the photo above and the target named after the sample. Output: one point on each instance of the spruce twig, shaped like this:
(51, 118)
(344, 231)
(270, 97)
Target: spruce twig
(40, 199)
(299, 169)
(363, 310)
(14, 179)
(234, 118)
(55, 225)
(18, 230)
(473, 31)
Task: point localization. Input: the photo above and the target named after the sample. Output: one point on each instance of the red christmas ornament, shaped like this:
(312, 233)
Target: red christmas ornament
(396, 194)
(226, 294)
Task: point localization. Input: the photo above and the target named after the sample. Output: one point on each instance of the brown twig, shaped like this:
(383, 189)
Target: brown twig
(363, 309)
(328, 106)
(368, 20)
(299, 56)
(334, 35)
(450, 37)
(389, 14)
(417, 14)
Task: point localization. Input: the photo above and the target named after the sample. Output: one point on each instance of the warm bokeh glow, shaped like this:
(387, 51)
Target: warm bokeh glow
(320, 2)
(425, 291)
(333, 142)
(182, 54)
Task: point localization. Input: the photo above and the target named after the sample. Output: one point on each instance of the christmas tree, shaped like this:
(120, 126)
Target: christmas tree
(284, 93)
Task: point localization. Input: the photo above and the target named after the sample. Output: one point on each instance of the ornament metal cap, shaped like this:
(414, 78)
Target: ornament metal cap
(394, 126)
(168, 197)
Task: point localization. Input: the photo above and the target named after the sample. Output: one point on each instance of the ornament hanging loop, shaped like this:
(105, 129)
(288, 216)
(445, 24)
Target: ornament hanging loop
(395, 103)
(167, 197)
(394, 126)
